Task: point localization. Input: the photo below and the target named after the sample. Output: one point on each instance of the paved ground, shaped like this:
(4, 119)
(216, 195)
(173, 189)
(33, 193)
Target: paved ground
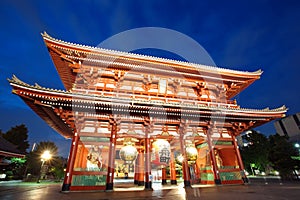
(257, 189)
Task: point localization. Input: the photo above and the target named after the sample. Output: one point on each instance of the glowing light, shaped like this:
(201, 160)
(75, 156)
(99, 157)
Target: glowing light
(46, 155)
(297, 145)
(128, 153)
(161, 152)
(191, 153)
(180, 158)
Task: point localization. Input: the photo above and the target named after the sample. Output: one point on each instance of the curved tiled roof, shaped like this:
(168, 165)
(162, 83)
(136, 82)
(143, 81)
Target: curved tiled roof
(8, 149)
(84, 98)
(200, 67)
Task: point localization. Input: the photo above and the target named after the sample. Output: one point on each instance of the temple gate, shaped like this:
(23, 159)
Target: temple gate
(144, 118)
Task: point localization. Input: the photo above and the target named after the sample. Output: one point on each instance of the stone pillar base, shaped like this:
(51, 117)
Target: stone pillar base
(109, 186)
(141, 183)
(173, 182)
(148, 185)
(218, 182)
(187, 183)
(65, 187)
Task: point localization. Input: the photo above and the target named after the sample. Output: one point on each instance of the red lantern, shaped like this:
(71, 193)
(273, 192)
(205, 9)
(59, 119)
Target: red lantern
(161, 152)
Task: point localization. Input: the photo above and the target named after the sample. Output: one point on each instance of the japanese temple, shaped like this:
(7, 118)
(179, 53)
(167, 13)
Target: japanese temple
(144, 118)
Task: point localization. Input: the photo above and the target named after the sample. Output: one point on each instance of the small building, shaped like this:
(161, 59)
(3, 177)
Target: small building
(144, 118)
(7, 150)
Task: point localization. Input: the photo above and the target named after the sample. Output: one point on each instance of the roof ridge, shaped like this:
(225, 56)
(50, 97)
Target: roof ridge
(45, 35)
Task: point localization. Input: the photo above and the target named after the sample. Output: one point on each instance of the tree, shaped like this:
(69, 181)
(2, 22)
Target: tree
(57, 170)
(281, 154)
(55, 164)
(16, 168)
(256, 153)
(18, 136)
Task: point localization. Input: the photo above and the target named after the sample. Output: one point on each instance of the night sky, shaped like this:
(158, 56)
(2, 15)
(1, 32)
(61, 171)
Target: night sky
(241, 35)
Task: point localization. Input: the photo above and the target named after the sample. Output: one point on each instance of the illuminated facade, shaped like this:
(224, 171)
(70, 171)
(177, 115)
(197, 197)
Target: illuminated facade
(129, 115)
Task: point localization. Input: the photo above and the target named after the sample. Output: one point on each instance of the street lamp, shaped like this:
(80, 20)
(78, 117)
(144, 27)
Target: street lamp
(44, 158)
(297, 145)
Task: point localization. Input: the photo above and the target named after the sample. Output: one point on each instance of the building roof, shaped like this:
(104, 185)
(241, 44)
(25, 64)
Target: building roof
(49, 104)
(86, 104)
(7, 149)
(69, 58)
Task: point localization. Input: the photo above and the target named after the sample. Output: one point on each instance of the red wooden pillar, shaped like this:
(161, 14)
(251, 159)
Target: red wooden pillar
(213, 158)
(185, 165)
(173, 170)
(197, 171)
(148, 181)
(141, 169)
(73, 151)
(111, 157)
(164, 176)
(239, 159)
(136, 172)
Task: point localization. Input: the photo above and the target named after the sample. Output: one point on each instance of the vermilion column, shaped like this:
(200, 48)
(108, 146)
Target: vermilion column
(141, 169)
(173, 170)
(164, 176)
(111, 157)
(213, 158)
(136, 173)
(68, 177)
(148, 182)
(185, 165)
(197, 171)
(239, 158)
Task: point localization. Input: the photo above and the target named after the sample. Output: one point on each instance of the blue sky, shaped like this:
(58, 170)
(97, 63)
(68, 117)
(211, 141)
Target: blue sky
(242, 35)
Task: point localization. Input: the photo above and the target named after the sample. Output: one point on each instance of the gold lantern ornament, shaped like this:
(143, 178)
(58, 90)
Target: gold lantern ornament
(128, 152)
(191, 153)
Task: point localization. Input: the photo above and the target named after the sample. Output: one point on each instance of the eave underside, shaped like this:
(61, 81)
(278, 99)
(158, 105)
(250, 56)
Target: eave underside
(11, 154)
(69, 60)
(63, 113)
(47, 114)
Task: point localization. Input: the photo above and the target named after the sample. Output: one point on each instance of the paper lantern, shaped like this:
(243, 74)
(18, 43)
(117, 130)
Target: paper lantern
(161, 152)
(191, 153)
(128, 153)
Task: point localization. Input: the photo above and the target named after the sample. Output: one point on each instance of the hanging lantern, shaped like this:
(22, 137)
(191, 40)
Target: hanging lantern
(128, 152)
(191, 153)
(161, 152)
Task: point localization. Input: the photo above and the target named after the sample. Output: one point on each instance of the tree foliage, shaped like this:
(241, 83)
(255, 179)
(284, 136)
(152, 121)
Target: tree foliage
(18, 136)
(275, 151)
(34, 157)
(281, 154)
(55, 164)
(257, 151)
(17, 168)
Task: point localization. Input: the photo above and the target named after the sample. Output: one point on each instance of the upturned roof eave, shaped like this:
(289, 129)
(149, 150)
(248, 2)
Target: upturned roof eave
(212, 69)
(84, 98)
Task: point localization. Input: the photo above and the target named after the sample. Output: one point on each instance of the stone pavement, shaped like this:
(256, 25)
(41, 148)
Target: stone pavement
(257, 189)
